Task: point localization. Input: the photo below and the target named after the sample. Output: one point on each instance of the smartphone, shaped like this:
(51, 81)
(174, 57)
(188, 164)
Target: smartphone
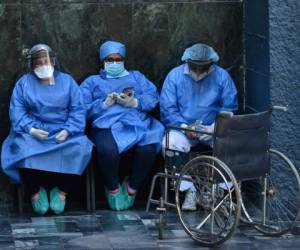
(127, 91)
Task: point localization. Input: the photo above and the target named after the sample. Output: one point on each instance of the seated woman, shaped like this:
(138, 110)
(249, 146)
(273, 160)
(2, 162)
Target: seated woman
(46, 146)
(117, 101)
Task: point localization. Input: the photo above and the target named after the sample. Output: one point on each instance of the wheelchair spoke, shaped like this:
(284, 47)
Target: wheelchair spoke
(219, 221)
(283, 209)
(273, 223)
(274, 213)
(215, 218)
(213, 210)
(282, 197)
(288, 203)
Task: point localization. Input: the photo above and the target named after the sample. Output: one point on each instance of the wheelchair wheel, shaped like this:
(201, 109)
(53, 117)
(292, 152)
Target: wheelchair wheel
(272, 204)
(218, 201)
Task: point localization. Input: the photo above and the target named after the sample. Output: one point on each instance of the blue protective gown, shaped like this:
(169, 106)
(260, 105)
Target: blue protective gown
(183, 100)
(50, 108)
(129, 126)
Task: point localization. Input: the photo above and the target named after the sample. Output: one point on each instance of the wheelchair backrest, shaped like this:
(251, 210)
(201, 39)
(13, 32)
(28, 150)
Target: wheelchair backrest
(242, 142)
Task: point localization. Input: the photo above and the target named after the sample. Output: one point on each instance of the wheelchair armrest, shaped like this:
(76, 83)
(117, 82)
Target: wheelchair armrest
(174, 127)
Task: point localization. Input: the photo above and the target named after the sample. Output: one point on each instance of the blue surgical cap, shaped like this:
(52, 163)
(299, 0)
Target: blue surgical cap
(111, 47)
(200, 52)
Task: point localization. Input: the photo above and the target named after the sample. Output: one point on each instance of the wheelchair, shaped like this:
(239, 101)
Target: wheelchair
(240, 179)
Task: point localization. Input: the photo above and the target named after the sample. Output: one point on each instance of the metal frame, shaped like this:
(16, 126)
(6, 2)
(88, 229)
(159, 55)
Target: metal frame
(168, 174)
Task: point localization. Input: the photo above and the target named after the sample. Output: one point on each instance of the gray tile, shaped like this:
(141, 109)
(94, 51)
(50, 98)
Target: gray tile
(98, 241)
(24, 231)
(52, 241)
(7, 247)
(6, 239)
(131, 217)
(26, 243)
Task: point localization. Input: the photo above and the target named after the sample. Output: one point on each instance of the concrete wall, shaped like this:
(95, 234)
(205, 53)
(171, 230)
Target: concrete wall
(285, 75)
(156, 32)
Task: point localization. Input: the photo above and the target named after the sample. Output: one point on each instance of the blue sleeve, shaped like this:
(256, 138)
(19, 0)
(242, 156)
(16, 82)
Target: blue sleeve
(76, 118)
(94, 108)
(19, 110)
(147, 95)
(169, 111)
(228, 100)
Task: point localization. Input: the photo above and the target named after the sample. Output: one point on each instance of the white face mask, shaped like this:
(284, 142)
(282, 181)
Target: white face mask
(197, 77)
(44, 72)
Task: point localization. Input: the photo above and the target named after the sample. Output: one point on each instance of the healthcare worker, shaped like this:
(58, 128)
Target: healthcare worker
(117, 101)
(46, 147)
(192, 95)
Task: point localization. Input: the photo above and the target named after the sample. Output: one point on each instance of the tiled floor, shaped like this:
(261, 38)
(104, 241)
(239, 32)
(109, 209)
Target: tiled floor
(119, 230)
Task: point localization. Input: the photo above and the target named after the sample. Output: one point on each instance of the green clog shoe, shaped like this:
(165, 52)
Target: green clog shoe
(57, 204)
(41, 204)
(115, 201)
(128, 199)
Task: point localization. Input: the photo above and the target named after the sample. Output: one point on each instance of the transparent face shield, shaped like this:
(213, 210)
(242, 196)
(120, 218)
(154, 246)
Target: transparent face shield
(42, 62)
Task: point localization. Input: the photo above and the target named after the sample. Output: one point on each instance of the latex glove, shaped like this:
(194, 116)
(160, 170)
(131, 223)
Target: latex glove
(190, 134)
(127, 101)
(62, 136)
(206, 128)
(111, 99)
(183, 125)
(38, 133)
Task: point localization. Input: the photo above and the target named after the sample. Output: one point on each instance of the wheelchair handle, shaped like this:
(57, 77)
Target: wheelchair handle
(272, 108)
(279, 108)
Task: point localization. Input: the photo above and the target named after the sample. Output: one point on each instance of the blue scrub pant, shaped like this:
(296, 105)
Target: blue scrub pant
(109, 160)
